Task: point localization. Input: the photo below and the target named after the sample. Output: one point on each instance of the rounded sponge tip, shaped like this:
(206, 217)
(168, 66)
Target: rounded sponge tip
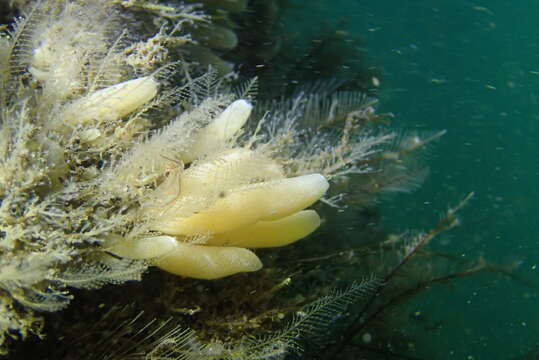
(208, 262)
(265, 234)
(113, 102)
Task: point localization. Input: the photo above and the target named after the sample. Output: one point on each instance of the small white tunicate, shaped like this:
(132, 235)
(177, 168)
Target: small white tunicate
(111, 103)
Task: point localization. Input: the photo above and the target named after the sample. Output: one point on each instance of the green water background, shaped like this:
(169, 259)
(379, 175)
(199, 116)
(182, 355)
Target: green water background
(471, 68)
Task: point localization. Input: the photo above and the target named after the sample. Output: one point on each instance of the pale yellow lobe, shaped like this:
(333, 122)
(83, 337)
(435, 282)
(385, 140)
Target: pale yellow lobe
(227, 199)
(184, 192)
(221, 129)
(208, 262)
(246, 205)
(265, 234)
(230, 169)
(111, 103)
(143, 248)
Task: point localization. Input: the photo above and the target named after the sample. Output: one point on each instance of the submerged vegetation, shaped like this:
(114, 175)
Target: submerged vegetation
(109, 166)
(122, 155)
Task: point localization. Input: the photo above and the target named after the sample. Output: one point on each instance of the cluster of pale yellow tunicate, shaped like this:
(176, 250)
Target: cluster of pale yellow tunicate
(216, 201)
(204, 198)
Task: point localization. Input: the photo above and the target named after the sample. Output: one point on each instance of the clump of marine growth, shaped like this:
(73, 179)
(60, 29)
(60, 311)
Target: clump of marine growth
(106, 168)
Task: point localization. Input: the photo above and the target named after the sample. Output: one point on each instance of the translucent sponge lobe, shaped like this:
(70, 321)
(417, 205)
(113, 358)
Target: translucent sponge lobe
(220, 130)
(113, 102)
(265, 234)
(270, 200)
(208, 262)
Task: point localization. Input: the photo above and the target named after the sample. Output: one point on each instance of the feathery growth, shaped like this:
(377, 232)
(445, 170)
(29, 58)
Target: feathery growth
(109, 163)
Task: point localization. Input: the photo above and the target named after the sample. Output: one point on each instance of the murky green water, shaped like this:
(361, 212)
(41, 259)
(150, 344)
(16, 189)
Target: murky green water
(471, 68)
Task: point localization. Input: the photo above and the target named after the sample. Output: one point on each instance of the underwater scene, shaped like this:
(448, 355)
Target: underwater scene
(269, 179)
